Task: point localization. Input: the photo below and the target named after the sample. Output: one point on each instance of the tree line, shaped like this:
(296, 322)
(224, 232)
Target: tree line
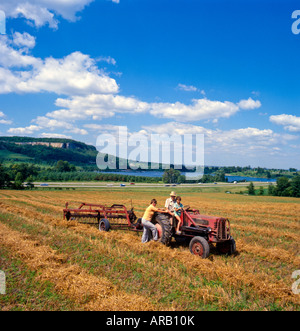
(19, 176)
(284, 187)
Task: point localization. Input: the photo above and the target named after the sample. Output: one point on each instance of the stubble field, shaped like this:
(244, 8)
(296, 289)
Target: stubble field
(52, 264)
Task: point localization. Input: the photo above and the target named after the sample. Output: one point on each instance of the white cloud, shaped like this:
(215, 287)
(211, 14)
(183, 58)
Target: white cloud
(176, 128)
(96, 106)
(187, 88)
(44, 122)
(99, 106)
(26, 130)
(200, 109)
(54, 135)
(290, 122)
(75, 74)
(3, 119)
(107, 59)
(10, 57)
(249, 104)
(6, 122)
(43, 12)
(236, 146)
(23, 40)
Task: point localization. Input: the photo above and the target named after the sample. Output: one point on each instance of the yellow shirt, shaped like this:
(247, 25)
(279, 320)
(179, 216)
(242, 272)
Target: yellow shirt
(149, 212)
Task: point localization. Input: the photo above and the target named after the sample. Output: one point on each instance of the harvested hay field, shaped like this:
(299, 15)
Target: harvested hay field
(52, 264)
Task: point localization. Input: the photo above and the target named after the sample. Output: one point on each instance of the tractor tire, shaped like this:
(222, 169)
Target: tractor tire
(164, 228)
(104, 225)
(228, 247)
(199, 246)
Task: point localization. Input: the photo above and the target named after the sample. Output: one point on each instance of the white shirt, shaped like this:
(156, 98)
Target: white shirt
(170, 204)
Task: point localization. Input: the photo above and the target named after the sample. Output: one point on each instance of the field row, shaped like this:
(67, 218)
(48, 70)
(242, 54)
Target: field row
(77, 259)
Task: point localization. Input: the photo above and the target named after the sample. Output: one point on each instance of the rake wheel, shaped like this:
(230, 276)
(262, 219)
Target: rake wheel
(104, 225)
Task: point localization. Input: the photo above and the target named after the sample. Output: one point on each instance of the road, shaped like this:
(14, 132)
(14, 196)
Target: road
(139, 185)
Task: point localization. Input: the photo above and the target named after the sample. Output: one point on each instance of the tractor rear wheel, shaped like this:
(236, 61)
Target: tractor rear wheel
(104, 225)
(164, 228)
(199, 246)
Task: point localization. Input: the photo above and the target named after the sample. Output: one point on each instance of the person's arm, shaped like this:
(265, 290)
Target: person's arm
(163, 210)
(176, 207)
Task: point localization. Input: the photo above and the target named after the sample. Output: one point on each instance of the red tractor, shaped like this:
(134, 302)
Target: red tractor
(199, 230)
(203, 230)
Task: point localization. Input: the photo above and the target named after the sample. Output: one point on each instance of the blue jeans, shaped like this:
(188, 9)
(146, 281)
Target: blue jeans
(148, 226)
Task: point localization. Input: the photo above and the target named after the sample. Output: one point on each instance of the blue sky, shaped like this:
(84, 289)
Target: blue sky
(225, 69)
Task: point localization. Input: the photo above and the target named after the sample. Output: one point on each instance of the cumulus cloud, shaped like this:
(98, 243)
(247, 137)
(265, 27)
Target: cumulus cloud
(75, 74)
(24, 40)
(24, 131)
(235, 141)
(44, 122)
(3, 119)
(99, 106)
(15, 58)
(96, 106)
(200, 109)
(249, 104)
(289, 122)
(44, 12)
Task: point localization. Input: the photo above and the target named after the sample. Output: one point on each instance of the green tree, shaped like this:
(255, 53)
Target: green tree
(295, 186)
(261, 190)
(19, 181)
(220, 176)
(251, 189)
(282, 188)
(171, 176)
(181, 179)
(271, 189)
(64, 166)
(4, 177)
(29, 181)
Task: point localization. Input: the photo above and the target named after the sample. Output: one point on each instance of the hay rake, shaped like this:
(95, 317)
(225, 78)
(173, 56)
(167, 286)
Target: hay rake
(116, 216)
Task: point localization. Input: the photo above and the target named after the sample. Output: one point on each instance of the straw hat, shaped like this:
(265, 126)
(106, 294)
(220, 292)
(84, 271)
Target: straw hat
(172, 194)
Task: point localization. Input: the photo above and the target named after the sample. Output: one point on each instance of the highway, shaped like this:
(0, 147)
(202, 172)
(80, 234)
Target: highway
(140, 185)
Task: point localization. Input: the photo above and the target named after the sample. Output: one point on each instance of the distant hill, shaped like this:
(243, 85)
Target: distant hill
(49, 150)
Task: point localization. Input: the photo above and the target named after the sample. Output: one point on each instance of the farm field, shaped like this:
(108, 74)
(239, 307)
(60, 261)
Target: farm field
(52, 264)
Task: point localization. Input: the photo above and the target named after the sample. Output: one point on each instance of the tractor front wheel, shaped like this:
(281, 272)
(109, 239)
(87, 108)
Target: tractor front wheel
(199, 246)
(227, 247)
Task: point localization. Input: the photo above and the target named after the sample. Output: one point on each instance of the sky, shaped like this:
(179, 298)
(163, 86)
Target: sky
(226, 69)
